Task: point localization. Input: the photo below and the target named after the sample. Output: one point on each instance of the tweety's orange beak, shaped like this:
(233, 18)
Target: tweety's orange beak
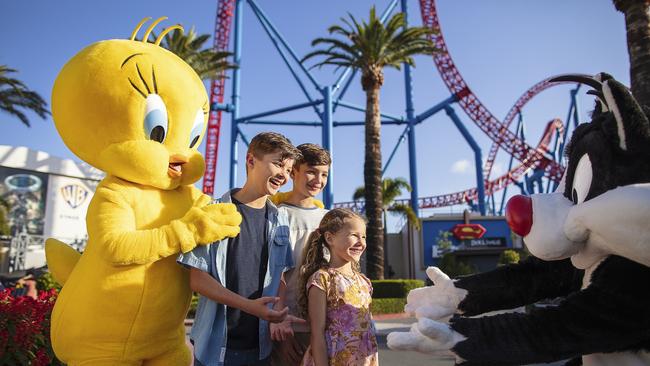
(176, 162)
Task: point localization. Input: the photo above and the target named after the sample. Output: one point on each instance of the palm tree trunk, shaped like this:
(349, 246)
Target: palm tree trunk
(385, 236)
(372, 182)
(637, 23)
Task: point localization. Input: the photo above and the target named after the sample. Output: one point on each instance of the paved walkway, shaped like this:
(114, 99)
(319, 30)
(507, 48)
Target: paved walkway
(391, 323)
(398, 323)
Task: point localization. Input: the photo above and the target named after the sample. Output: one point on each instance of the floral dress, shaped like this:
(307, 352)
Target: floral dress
(349, 329)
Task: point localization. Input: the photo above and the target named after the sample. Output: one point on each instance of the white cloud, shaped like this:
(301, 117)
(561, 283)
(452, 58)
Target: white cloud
(498, 169)
(461, 166)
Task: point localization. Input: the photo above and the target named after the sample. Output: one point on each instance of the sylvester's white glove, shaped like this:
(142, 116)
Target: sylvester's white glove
(435, 302)
(427, 336)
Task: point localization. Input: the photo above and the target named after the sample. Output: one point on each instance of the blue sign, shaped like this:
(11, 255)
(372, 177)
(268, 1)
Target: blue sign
(433, 230)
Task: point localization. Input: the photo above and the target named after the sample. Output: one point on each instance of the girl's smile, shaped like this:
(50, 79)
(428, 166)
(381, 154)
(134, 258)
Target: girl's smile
(349, 243)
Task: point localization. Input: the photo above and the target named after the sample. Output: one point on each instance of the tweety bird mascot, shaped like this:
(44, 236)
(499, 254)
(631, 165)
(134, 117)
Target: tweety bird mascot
(137, 112)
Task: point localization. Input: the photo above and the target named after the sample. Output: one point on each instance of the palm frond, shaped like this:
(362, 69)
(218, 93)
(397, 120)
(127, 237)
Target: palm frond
(407, 211)
(370, 44)
(14, 95)
(392, 188)
(206, 62)
(359, 193)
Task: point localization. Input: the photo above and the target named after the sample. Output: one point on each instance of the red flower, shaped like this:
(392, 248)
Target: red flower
(25, 329)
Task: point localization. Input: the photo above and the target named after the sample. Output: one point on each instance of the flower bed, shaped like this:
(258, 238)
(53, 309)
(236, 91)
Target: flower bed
(25, 329)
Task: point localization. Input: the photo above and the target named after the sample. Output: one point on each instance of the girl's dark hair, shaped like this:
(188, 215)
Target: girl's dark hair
(314, 252)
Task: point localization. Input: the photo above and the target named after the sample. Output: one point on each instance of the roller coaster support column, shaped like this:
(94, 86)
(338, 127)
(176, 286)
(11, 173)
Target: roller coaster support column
(410, 116)
(573, 112)
(234, 128)
(519, 132)
(328, 196)
(478, 163)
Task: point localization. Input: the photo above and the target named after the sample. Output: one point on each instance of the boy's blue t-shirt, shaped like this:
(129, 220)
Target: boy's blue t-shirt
(246, 265)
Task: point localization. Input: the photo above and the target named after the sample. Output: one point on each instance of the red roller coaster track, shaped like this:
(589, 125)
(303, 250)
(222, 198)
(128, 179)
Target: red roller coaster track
(223, 22)
(497, 131)
(516, 108)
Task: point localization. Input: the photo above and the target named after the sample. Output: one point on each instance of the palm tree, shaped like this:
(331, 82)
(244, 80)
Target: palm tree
(14, 95)
(207, 63)
(637, 23)
(369, 47)
(390, 190)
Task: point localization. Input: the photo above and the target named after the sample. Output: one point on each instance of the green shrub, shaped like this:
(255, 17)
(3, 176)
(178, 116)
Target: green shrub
(383, 289)
(454, 268)
(387, 305)
(443, 242)
(47, 282)
(193, 304)
(508, 256)
(389, 296)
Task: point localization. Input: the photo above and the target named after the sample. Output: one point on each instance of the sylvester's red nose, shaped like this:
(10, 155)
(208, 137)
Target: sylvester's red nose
(519, 214)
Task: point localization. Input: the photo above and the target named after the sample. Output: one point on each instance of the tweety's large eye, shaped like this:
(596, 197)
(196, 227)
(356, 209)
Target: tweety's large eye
(197, 127)
(582, 180)
(155, 118)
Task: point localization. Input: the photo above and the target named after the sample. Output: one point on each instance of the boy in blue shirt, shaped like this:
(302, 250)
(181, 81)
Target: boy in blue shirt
(239, 278)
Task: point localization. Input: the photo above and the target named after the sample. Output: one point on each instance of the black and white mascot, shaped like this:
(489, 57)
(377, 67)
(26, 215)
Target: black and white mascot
(591, 247)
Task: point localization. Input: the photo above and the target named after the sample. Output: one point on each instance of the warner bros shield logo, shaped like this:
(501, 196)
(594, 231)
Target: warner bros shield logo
(74, 195)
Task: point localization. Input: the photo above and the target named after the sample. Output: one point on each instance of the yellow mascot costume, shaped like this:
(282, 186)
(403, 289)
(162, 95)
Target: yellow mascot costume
(137, 112)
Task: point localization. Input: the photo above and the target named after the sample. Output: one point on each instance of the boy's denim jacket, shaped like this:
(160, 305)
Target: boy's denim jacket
(209, 332)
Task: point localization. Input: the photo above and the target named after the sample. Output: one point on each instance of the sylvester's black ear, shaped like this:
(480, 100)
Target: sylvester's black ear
(632, 126)
(601, 105)
(603, 76)
(596, 82)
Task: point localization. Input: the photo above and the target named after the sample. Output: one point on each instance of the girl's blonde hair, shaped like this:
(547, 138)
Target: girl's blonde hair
(314, 252)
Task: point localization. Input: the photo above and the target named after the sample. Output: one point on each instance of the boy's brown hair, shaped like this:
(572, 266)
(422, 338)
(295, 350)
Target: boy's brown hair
(270, 142)
(313, 154)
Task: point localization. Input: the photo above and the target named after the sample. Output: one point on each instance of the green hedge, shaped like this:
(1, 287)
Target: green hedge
(47, 282)
(388, 297)
(378, 306)
(389, 289)
(508, 256)
(387, 305)
(193, 304)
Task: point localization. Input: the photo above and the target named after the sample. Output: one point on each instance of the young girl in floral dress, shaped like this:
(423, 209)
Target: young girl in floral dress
(336, 296)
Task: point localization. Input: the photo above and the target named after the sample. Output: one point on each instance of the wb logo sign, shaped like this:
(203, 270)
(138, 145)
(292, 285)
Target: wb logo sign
(74, 195)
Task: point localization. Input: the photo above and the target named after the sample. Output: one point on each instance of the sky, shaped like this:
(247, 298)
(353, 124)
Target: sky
(501, 48)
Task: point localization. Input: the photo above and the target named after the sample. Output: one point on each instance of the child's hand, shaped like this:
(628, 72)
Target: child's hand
(290, 351)
(259, 308)
(283, 331)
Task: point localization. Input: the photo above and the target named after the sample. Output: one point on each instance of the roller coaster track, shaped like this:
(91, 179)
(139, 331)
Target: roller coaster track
(552, 128)
(223, 22)
(498, 132)
(516, 108)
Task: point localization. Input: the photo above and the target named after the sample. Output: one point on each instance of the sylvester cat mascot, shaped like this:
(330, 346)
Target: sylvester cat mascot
(590, 242)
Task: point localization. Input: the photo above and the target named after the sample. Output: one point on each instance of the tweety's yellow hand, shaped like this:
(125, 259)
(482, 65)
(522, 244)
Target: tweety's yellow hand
(210, 223)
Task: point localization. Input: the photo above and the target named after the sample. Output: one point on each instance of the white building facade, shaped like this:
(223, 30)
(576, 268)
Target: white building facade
(47, 197)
